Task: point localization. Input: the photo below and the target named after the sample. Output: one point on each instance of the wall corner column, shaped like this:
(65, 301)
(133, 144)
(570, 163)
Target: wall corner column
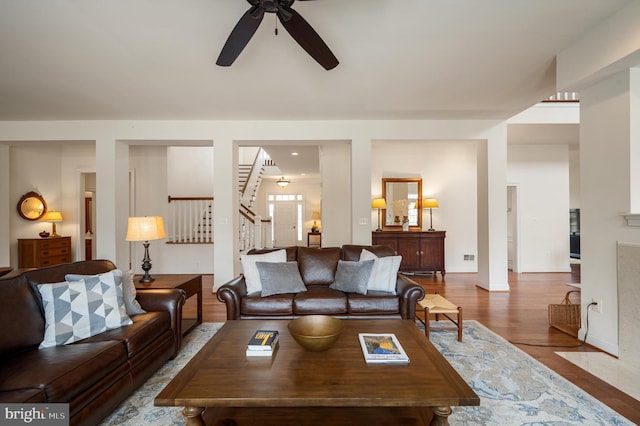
(5, 212)
(492, 211)
(226, 253)
(361, 191)
(112, 201)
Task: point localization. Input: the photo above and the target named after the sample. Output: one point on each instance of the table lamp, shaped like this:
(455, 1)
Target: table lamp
(145, 229)
(315, 216)
(53, 216)
(430, 203)
(379, 203)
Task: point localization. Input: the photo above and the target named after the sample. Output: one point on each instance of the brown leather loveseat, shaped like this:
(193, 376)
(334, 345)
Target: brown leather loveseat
(317, 267)
(93, 375)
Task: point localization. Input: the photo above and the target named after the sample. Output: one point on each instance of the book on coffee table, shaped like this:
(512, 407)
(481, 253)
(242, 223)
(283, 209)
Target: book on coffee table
(382, 348)
(251, 353)
(263, 340)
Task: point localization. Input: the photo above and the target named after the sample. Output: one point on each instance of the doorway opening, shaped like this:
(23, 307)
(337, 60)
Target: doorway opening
(286, 213)
(513, 251)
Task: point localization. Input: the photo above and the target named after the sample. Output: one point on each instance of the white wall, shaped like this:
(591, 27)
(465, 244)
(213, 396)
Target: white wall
(448, 172)
(574, 178)
(335, 169)
(189, 171)
(605, 116)
(35, 168)
(541, 173)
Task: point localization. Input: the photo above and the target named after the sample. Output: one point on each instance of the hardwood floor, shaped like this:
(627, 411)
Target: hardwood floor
(519, 316)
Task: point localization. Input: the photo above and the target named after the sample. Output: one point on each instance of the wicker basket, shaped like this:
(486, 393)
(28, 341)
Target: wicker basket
(566, 315)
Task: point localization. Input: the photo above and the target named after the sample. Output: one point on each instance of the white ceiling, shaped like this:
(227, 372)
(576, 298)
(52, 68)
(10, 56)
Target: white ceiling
(399, 59)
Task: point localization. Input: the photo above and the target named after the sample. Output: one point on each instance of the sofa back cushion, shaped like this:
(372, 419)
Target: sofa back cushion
(21, 319)
(56, 273)
(318, 265)
(292, 252)
(352, 252)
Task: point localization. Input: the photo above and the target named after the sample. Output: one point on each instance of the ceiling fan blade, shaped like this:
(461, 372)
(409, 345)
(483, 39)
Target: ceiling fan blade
(240, 35)
(306, 37)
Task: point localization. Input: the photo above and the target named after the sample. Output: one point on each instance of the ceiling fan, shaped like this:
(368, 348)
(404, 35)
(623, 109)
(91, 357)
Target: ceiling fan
(291, 20)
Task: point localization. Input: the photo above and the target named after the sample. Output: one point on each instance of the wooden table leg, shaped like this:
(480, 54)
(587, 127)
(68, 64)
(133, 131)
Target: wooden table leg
(441, 416)
(459, 324)
(194, 416)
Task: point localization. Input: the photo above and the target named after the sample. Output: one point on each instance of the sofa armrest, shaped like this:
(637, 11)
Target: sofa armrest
(410, 293)
(170, 300)
(231, 295)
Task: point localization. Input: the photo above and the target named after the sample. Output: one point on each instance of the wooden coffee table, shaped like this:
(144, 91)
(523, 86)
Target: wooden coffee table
(334, 387)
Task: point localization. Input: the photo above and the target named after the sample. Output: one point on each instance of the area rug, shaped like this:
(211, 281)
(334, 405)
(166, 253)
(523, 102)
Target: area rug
(514, 388)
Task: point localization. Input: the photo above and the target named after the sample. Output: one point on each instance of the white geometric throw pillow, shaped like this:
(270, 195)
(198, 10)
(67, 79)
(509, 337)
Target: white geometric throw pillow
(128, 289)
(384, 275)
(79, 309)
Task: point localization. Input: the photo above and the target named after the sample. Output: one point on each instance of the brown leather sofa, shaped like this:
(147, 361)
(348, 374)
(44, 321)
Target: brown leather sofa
(93, 375)
(317, 268)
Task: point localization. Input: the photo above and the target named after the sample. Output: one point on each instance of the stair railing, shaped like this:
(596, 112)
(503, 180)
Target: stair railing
(191, 222)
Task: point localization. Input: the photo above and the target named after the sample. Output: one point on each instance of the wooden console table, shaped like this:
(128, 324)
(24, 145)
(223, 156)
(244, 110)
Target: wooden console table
(190, 283)
(421, 251)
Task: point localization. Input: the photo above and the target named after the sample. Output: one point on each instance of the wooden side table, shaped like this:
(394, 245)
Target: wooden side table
(190, 283)
(314, 239)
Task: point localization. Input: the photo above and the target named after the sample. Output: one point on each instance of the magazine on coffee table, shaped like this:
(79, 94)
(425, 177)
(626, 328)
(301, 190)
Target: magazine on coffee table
(382, 348)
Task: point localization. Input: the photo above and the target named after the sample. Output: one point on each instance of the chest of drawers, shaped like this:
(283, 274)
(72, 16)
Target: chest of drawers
(39, 252)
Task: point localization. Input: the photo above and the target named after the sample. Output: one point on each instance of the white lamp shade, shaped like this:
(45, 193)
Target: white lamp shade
(145, 228)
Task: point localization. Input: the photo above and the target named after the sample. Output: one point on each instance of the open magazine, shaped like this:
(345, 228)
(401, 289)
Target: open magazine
(382, 348)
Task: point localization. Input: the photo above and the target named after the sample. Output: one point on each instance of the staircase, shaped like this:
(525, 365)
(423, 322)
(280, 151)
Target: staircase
(191, 218)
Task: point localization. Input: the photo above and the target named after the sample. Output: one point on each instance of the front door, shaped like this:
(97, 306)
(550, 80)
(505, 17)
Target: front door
(285, 220)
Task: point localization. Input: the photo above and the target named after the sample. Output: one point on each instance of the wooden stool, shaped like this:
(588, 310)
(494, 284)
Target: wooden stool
(436, 304)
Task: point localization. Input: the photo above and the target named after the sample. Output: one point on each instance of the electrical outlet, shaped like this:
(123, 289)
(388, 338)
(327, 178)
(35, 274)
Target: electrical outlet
(597, 307)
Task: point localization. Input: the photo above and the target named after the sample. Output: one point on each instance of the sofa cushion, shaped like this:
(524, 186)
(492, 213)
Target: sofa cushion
(128, 290)
(318, 265)
(374, 303)
(279, 278)
(79, 309)
(352, 252)
(140, 335)
(69, 371)
(250, 270)
(385, 272)
(278, 304)
(19, 310)
(352, 277)
(320, 300)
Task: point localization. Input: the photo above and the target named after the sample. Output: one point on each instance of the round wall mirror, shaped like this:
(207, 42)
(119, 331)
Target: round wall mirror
(32, 206)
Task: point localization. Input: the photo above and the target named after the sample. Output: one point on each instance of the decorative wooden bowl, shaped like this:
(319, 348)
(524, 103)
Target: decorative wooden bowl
(316, 333)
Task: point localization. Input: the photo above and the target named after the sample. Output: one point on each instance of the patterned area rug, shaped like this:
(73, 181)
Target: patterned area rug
(514, 388)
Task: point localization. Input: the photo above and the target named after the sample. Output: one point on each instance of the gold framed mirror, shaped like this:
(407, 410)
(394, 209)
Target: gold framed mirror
(32, 206)
(404, 202)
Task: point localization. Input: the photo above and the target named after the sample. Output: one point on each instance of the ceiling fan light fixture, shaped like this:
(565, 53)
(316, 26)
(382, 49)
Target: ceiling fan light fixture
(283, 182)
